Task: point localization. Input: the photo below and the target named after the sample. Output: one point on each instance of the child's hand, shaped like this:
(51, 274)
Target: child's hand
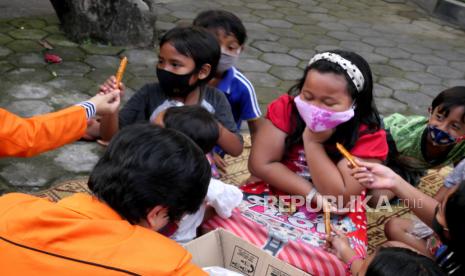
(110, 85)
(317, 137)
(106, 103)
(374, 176)
(220, 164)
(338, 244)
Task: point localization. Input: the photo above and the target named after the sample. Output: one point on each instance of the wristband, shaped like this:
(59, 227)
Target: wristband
(352, 260)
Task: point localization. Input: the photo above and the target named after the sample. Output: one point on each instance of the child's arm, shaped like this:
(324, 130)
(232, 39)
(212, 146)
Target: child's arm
(265, 161)
(327, 177)
(254, 124)
(229, 141)
(377, 176)
(439, 196)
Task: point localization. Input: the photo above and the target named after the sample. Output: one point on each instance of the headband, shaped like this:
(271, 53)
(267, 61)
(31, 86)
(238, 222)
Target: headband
(351, 69)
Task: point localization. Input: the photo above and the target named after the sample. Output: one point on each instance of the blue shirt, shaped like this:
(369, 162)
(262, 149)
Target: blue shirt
(241, 96)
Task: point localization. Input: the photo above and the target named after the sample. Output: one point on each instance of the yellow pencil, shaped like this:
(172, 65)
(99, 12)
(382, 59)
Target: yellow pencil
(327, 218)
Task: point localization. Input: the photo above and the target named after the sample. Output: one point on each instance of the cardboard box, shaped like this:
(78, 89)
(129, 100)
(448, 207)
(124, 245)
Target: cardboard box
(222, 248)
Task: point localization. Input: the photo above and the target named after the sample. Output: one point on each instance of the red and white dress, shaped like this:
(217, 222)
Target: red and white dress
(299, 239)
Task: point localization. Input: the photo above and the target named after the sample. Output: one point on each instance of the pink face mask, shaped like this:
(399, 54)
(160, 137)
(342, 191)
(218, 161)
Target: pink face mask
(319, 119)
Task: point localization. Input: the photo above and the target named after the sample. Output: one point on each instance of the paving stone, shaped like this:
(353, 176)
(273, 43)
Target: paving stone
(67, 98)
(4, 51)
(413, 98)
(33, 173)
(373, 58)
(301, 20)
(445, 72)
(450, 55)
(24, 46)
(286, 73)
(428, 59)
(386, 71)
(363, 31)
(432, 90)
(30, 90)
(343, 35)
(286, 33)
(27, 60)
(452, 83)
(265, 95)
(79, 157)
(270, 47)
(262, 35)
(69, 53)
(414, 48)
(99, 61)
(30, 74)
(250, 52)
(102, 49)
(5, 27)
(262, 79)
(5, 38)
(260, 6)
(71, 68)
(5, 66)
(137, 83)
(28, 108)
(28, 23)
(282, 4)
(388, 106)
(309, 30)
(53, 29)
(382, 91)
(99, 75)
(60, 40)
(459, 65)
(423, 78)
(292, 11)
(141, 70)
(333, 26)
(279, 59)
(303, 54)
(407, 65)
(164, 26)
(28, 34)
(268, 14)
(252, 65)
(184, 14)
(392, 52)
(73, 85)
(356, 46)
(379, 41)
(398, 83)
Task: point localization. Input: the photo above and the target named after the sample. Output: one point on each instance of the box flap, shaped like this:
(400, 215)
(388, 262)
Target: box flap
(207, 250)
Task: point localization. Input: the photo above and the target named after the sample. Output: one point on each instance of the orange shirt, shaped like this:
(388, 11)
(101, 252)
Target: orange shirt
(27, 137)
(80, 235)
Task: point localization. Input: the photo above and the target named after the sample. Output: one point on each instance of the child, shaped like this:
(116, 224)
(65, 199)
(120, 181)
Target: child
(386, 261)
(231, 35)
(445, 217)
(199, 125)
(417, 143)
(295, 154)
(240, 93)
(187, 61)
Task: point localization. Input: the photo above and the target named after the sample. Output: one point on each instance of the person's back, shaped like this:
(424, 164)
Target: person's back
(113, 231)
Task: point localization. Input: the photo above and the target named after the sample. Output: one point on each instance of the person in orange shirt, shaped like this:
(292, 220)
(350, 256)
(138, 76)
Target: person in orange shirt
(22, 137)
(147, 180)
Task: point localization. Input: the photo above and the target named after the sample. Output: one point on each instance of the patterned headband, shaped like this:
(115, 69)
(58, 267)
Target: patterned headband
(351, 69)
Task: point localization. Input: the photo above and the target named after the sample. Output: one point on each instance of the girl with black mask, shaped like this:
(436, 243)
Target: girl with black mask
(187, 60)
(445, 217)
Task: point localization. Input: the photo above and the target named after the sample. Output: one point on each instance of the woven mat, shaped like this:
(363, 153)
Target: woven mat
(238, 172)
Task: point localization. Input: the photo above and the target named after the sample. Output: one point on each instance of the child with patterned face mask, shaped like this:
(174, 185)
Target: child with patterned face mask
(295, 154)
(418, 143)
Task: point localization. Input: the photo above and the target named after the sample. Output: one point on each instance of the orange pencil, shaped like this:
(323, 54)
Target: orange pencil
(121, 69)
(327, 218)
(347, 155)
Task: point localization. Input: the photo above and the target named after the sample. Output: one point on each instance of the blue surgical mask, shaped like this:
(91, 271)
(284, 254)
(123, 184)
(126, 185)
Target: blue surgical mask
(441, 137)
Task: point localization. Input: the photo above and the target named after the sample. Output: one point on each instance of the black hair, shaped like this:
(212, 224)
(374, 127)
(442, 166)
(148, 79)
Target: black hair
(146, 166)
(365, 108)
(222, 20)
(196, 123)
(399, 261)
(448, 99)
(454, 256)
(196, 43)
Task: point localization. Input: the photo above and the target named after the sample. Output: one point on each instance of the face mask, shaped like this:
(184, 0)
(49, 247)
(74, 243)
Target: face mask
(175, 85)
(438, 228)
(319, 119)
(226, 62)
(441, 137)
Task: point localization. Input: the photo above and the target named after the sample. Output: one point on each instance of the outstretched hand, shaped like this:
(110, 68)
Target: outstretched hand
(110, 84)
(106, 103)
(374, 175)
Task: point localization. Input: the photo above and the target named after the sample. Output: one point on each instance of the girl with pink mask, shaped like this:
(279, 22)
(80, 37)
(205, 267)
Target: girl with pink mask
(295, 155)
